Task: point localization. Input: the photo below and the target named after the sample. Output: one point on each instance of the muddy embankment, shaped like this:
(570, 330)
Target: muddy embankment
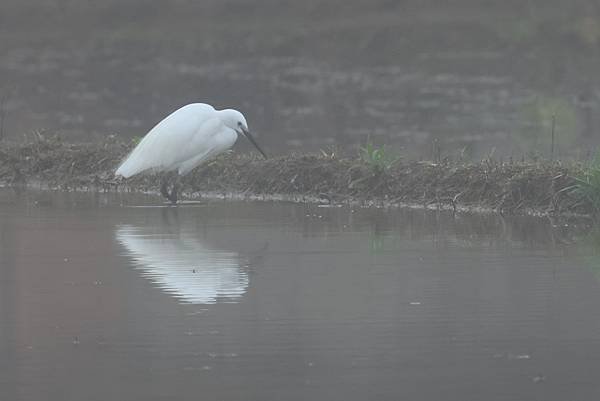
(504, 187)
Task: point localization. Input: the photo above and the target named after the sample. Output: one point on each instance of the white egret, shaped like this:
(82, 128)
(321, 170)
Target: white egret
(182, 141)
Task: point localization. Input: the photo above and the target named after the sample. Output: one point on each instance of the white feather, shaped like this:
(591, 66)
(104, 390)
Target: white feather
(183, 140)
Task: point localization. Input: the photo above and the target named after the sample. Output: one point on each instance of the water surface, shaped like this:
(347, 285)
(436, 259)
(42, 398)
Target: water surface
(425, 77)
(116, 297)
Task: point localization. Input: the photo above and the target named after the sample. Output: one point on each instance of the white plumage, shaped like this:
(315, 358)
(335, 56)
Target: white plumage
(183, 140)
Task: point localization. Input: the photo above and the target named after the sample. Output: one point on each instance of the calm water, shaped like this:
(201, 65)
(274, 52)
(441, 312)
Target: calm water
(425, 77)
(103, 300)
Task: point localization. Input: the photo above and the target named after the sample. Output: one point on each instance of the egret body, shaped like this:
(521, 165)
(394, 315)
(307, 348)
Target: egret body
(185, 139)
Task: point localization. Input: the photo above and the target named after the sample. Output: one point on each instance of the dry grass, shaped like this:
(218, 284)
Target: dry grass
(509, 188)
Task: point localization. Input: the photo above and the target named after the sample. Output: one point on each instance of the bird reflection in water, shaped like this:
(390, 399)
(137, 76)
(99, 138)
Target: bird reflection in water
(181, 265)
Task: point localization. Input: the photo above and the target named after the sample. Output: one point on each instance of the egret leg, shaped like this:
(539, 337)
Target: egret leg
(174, 191)
(164, 187)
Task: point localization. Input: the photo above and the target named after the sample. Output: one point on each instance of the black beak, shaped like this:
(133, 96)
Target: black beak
(248, 135)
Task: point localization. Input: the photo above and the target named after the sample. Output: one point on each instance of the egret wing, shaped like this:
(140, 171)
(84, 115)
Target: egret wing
(208, 143)
(172, 141)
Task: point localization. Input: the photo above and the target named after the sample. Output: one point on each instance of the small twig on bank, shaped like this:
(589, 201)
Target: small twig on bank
(552, 143)
(2, 115)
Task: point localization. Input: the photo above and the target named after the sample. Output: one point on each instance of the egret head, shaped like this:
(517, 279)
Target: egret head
(237, 122)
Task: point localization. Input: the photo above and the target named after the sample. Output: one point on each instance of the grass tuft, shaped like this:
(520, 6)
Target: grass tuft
(587, 184)
(136, 140)
(377, 158)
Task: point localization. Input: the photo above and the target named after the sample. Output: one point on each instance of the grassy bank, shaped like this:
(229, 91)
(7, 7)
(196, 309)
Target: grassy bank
(506, 187)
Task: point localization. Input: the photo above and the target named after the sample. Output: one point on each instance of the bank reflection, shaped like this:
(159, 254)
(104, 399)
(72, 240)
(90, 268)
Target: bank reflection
(184, 267)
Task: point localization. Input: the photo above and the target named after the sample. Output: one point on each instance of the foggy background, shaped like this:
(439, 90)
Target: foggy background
(466, 76)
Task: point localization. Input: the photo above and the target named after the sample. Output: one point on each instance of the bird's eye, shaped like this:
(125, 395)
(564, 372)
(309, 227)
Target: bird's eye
(239, 123)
